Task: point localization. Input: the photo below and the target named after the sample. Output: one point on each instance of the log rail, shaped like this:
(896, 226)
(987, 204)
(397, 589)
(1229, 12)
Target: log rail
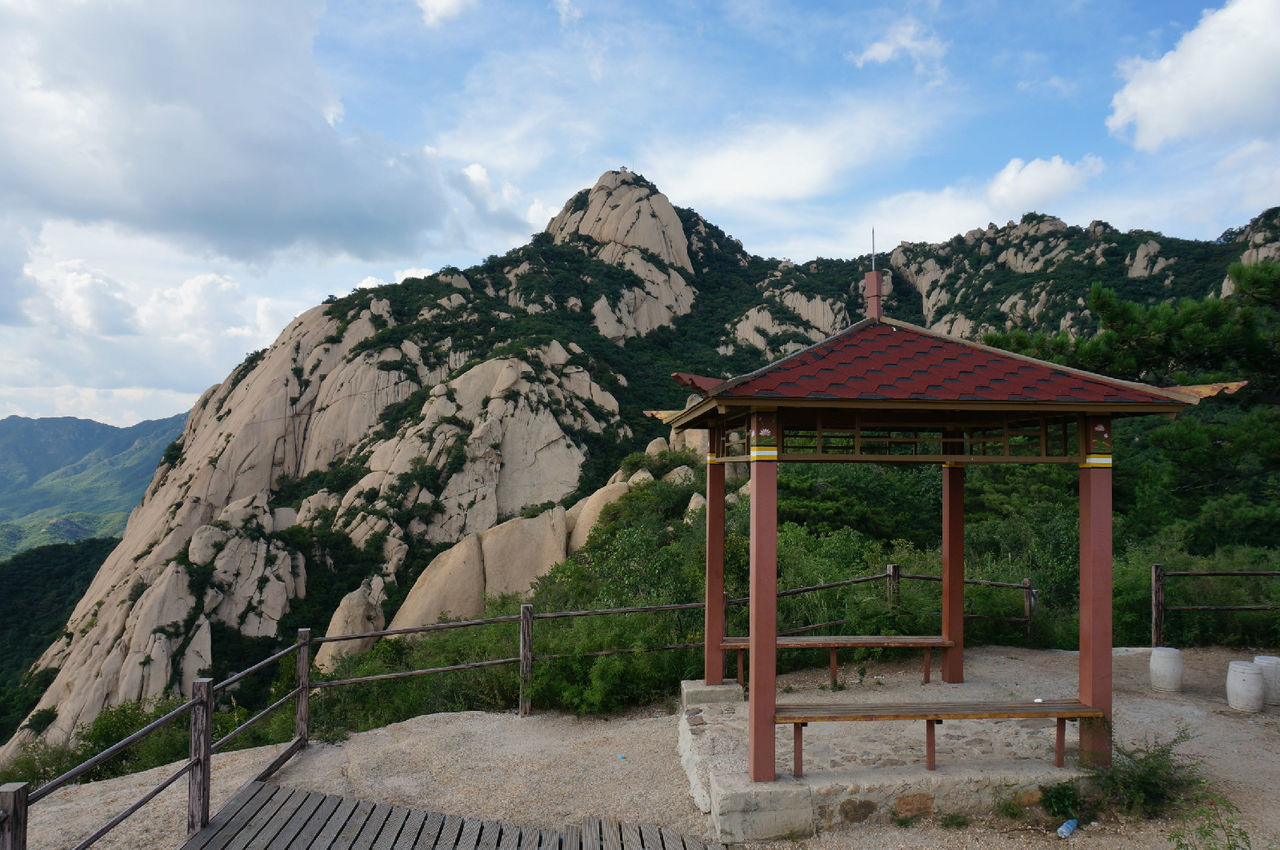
(834, 643)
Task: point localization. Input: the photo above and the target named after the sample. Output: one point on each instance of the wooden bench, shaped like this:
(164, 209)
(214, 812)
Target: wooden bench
(933, 713)
(834, 643)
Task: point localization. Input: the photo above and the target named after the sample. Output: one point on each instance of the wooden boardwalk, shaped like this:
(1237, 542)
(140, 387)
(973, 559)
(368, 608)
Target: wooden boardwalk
(263, 816)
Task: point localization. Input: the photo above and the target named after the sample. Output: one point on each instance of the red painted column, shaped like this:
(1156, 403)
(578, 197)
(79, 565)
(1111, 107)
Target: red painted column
(1095, 592)
(713, 656)
(762, 697)
(953, 571)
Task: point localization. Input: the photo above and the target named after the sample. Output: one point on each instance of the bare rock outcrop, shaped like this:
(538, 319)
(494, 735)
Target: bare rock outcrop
(626, 209)
(451, 585)
(508, 557)
(503, 559)
(359, 611)
(584, 515)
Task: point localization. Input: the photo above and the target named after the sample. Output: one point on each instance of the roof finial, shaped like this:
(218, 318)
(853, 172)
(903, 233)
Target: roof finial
(872, 285)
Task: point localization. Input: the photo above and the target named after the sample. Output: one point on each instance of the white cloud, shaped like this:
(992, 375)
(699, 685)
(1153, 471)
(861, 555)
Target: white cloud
(568, 12)
(935, 216)
(77, 297)
(1054, 85)
(122, 406)
(781, 160)
(209, 123)
(435, 12)
(399, 275)
(1021, 186)
(1222, 79)
(906, 37)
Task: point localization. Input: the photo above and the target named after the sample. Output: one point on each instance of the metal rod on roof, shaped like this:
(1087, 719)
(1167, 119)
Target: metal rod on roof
(873, 249)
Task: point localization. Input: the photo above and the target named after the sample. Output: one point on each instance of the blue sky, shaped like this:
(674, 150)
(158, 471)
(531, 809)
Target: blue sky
(179, 179)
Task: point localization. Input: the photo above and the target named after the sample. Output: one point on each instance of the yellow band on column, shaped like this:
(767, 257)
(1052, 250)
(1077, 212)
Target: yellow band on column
(764, 453)
(1096, 462)
(952, 465)
(711, 458)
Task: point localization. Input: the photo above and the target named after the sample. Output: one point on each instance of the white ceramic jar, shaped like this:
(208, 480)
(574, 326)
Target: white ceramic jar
(1244, 686)
(1166, 669)
(1270, 666)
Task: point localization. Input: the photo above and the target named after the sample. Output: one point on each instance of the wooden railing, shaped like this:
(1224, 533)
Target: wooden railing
(16, 798)
(1159, 608)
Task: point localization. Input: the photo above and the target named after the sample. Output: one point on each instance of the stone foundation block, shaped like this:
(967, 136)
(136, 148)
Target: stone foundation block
(742, 810)
(694, 692)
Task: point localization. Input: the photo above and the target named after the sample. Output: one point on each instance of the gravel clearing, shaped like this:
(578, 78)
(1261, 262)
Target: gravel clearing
(550, 770)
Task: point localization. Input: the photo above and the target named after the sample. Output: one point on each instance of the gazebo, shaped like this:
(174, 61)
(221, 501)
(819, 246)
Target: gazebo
(884, 391)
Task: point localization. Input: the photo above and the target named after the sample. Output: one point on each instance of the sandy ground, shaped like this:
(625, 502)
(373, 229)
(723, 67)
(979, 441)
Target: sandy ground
(551, 770)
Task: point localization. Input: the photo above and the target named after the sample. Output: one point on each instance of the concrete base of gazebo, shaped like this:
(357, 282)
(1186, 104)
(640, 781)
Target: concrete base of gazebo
(869, 772)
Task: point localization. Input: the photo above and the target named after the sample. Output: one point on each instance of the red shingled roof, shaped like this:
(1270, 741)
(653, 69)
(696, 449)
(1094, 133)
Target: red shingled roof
(894, 361)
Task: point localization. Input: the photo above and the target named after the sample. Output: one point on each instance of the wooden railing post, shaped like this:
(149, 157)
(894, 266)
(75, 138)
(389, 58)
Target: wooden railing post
(302, 708)
(891, 574)
(202, 754)
(526, 657)
(13, 806)
(1028, 602)
(1157, 604)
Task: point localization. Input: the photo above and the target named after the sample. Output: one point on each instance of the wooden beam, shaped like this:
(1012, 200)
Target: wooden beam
(1095, 591)
(714, 615)
(13, 804)
(763, 627)
(201, 751)
(953, 572)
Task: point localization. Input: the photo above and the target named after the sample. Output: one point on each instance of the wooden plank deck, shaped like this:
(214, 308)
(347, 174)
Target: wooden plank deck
(271, 817)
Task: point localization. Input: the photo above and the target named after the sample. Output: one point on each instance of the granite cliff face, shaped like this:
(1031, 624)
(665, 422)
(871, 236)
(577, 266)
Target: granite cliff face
(399, 453)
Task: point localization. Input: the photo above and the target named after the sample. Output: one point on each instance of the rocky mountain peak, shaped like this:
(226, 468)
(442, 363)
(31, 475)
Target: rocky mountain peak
(625, 209)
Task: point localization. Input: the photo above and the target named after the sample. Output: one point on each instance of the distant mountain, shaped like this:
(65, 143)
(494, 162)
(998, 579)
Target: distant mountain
(64, 479)
(480, 409)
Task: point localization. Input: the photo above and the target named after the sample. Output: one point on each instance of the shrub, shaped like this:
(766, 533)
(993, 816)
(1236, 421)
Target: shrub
(1149, 778)
(1062, 800)
(1212, 825)
(40, 720)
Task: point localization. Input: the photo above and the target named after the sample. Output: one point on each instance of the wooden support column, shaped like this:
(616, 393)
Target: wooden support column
(714, 615)
(526, 659)
(302, 706)
(1095, 592)
(953, 571)
(762, 699)
(13, 828)
(201, 750)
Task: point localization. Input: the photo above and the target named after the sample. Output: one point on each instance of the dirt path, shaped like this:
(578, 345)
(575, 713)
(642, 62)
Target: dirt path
(550, 770)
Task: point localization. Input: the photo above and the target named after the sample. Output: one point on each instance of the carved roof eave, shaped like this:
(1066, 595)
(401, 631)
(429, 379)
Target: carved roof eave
(710, 411)
(719, 400)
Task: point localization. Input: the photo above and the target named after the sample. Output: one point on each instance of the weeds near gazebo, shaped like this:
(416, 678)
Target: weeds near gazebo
(1064, 800)
(1151, 778)
(1212, 825)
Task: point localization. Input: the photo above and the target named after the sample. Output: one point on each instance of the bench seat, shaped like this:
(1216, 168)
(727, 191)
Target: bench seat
(799, 714)
(834, 643)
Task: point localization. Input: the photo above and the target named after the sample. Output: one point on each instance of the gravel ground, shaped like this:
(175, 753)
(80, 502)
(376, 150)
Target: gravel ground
(550, 770)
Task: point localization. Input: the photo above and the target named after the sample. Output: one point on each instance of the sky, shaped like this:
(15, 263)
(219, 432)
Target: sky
(179, 179)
